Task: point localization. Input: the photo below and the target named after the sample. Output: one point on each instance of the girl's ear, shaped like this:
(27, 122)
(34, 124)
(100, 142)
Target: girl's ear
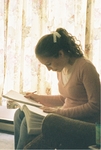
(61, 53)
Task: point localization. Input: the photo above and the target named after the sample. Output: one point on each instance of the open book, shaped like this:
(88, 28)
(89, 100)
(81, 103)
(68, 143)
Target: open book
(29, 107)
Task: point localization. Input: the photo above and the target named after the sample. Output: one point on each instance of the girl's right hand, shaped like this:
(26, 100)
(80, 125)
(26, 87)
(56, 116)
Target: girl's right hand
(32, 96)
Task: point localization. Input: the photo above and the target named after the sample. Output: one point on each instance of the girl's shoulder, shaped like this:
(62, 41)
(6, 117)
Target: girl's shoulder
(84, 62)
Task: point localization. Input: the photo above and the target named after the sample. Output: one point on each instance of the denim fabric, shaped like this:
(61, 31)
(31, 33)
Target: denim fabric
(21, 136)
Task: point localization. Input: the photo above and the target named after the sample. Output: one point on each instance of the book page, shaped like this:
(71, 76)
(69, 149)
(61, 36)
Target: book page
(34, 117)
(35, 110)
(15, 96)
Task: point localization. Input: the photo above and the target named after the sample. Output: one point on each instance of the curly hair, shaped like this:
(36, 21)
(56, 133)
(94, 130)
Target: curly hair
(46, 47)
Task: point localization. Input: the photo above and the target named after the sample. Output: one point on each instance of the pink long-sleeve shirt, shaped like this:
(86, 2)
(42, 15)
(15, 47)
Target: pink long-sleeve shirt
(80, 97)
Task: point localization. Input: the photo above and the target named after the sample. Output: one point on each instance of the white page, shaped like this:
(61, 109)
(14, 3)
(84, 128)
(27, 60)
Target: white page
(32, 109)
(36, 110)
(15, 96)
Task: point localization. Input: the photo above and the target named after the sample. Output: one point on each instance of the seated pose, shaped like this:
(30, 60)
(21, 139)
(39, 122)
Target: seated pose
(78, 83)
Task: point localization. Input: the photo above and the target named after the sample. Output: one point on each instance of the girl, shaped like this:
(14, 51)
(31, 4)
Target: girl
(78, 83)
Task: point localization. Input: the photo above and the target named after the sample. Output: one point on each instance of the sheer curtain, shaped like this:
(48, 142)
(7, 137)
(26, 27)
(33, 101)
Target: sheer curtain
(23, 22)
(93, 33)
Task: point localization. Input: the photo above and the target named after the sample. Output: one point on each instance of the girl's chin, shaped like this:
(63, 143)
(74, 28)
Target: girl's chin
(57, 70)
(54, 70)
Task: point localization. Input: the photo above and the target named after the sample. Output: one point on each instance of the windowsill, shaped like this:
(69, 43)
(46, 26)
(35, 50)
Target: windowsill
(6, 119)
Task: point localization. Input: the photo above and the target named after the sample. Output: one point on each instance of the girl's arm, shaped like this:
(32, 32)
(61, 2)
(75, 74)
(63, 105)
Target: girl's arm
(51, 101)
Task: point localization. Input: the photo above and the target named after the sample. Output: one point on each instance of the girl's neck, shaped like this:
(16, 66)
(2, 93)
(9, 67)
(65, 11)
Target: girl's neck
(70, 65)
(72, 60)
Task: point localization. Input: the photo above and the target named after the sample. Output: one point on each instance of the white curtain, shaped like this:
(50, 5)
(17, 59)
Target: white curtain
(93, 33)
(96, 42)
(23, 22)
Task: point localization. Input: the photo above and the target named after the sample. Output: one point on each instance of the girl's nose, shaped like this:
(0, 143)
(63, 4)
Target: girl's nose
(49, 68)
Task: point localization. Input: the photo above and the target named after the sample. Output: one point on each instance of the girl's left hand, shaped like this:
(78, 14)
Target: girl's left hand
(48, 109)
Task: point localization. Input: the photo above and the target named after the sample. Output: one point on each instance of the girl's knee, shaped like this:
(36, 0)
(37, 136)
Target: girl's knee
(18, 115)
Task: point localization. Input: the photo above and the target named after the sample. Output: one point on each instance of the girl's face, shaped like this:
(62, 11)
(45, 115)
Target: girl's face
(55, 64)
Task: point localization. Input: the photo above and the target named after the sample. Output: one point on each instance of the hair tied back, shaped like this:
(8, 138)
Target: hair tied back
(55, 35)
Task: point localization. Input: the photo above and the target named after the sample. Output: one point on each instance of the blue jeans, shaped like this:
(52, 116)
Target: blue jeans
(21, 137)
